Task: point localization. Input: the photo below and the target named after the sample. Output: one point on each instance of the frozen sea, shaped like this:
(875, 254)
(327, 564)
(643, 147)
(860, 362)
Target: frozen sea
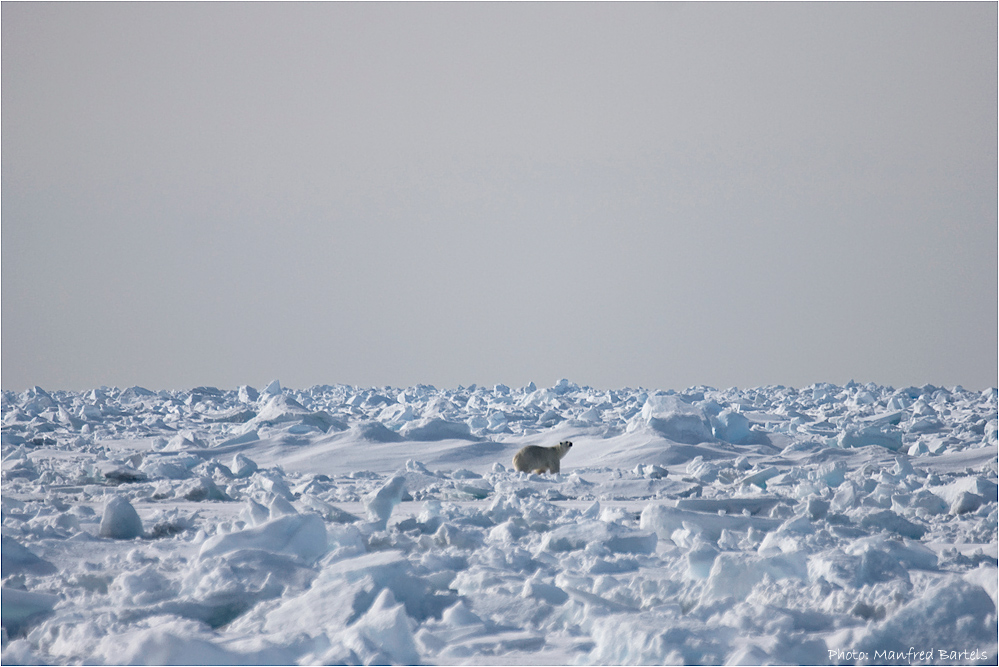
(829, 524)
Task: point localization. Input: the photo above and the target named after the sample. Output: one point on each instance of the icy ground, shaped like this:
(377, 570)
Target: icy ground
(342, 525)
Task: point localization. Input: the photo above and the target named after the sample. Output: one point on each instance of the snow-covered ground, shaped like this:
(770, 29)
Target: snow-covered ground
(344, 525)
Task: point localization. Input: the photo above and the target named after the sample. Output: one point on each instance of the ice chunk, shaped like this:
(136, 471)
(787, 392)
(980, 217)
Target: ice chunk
(384, 567)
(497, 421)
(272, 482)
(618, 539)
(169, 467)
(928, 501)
(170, 522)
(344, 542)
(966, 502)
(431, 510)
(459, 614)
(733, 427)
(910, 553)
(452, 536)
(436, 429)
(832, 474)
(201, 489)
(247, 394)
(15, 558)
(563, 387)
(183, 441)
(254, 513)
(702, 470)
(509, 531)
(979, 486)
(885, 436)
(651, 471)
(987, 577)
(20, 609)
(397, 413)
(538, 590)
(19, 465)
(872, 565)
(225, 586)
(700, 559)
(375, 432)
(65, 417)
(385, 633)
(299, 535)
(477, 489)
(676, 420)
(273, 388)
(18, 651)
(888, 520)
(951, 616)
(134, 394)
(328, 605)
(750, 654)
(120, 521)
(847, 496)
(326, 510)
(279, 506)
(817, 508)
(735, 574)
(755, 505)
(381, 504)
(760, 477)
(242, 466)
(146, 585)
(279, 409)
(650, 639)
(665, 520)
(175, 641)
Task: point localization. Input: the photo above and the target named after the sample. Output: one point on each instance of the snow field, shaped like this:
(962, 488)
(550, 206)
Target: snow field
(340, 525)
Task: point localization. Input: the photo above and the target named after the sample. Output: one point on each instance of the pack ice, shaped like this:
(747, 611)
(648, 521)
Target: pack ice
(343, 525)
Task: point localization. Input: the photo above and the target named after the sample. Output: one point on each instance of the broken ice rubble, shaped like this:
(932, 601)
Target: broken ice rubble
(349, 525)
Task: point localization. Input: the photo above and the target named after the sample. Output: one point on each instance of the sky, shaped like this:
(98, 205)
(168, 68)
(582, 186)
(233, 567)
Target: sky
(659, 195)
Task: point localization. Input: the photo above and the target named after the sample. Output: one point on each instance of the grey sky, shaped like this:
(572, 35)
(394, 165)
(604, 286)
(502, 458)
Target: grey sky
(622, 194)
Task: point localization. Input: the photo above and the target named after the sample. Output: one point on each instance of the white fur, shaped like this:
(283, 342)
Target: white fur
(540, 459)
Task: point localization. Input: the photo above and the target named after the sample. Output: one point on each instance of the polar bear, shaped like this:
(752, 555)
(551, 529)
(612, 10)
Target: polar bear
(540, 459)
